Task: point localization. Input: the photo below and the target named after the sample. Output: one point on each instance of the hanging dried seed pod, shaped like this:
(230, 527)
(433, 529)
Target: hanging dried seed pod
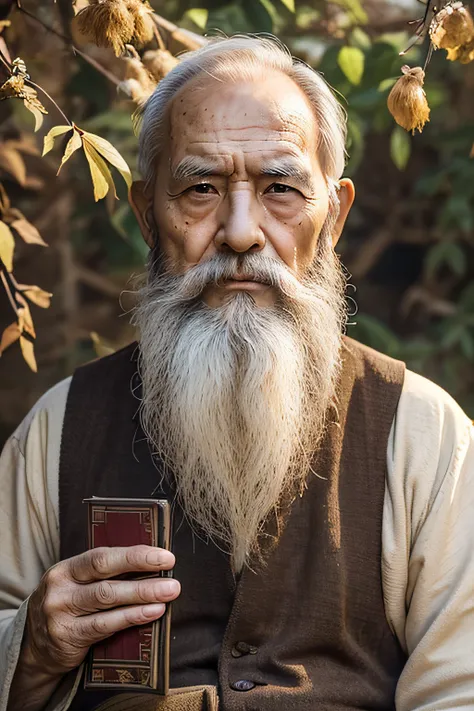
(407, 101)
(159, 62)
(463, 54)
(452, 26)
(138, 83)
(107, 23)
(143, 24)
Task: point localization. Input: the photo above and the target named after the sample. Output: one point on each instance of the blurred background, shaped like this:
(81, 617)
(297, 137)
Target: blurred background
(409, 242)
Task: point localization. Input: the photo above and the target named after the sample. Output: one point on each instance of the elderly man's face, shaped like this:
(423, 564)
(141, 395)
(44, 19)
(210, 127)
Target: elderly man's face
(240, 173)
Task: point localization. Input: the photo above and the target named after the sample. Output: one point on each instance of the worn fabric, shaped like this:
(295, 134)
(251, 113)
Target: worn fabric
(314, 614)
(427, 540)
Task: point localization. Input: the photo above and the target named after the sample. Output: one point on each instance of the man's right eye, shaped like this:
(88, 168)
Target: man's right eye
(203, 188)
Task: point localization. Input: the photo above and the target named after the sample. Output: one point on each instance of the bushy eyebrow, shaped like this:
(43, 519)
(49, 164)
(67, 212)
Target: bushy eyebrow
(288, 168)
(285, 167)
(194, 167)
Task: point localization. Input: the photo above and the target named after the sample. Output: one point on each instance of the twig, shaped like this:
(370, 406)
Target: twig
(158, 37)
(37, 86)
(97, 281)
(190, 39)
(111, 77)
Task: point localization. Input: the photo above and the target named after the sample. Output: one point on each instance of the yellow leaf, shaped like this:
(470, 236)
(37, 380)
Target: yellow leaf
(101, 347)
(49, 138)
(28, 353)
(11, 334)
(24, 316)
(110, 154)
(7, 246)
(28, 232)
(39, 116)
(37, 296)
(101, 176)
(72, 145)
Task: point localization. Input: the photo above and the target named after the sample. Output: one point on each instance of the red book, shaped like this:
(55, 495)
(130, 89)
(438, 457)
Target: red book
(138, 657)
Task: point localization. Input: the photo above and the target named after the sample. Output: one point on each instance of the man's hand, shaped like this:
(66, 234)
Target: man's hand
(78, 603)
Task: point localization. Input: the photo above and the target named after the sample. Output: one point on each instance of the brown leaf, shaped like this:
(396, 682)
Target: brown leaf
(36, 295)
(37, 113)
(28, 232)
(101, 176)
(101, 346)
(28, 353)
(13, 88)
(12, 162)
(7, 246)
(11, 334)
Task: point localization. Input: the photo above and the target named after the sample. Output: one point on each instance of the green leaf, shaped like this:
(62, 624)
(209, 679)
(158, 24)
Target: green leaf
(359, 38)
(448, 253)
(289, 4)
(400, 147)
(198, 15)
(355, 10)
(387, 84)
(258, 15)
(351, 60)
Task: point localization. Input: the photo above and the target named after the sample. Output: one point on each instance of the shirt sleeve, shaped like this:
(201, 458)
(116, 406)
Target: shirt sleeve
(29, 526)
(428, 544)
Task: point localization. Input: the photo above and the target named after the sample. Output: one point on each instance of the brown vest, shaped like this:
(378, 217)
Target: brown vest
(309, 631)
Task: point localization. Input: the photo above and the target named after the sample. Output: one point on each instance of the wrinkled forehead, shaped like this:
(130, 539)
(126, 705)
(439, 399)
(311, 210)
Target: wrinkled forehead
(268, 115)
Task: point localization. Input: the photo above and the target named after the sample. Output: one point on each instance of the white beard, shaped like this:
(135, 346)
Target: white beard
(235, 397)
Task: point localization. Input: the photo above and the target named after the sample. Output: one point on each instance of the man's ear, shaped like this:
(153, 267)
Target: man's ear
(142, 205)
(346, 195)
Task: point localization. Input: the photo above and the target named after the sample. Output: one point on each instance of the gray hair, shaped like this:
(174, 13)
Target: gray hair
(235, 59)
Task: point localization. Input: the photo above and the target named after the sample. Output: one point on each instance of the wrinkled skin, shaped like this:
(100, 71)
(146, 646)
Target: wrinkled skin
(242, 130)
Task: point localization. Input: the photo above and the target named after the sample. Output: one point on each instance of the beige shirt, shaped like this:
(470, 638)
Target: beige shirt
(427, 544)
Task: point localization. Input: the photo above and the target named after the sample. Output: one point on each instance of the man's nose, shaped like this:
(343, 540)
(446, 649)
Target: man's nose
(240, 229)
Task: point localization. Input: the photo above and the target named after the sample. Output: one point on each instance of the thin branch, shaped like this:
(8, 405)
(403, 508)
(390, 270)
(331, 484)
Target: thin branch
(191, 40)
(111, 77)
(37, 86)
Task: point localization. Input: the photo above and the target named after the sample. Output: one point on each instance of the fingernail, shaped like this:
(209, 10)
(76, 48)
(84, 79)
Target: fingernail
(154, 609)
(159, 558)
(170, 587)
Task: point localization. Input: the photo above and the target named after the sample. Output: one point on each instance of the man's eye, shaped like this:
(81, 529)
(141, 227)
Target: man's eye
(203, 189)
(281, 188)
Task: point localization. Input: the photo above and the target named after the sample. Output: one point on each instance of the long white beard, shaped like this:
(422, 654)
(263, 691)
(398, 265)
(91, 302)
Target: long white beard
(235, 397)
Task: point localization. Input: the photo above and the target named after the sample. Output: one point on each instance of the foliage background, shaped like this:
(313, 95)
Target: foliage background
(409, 242)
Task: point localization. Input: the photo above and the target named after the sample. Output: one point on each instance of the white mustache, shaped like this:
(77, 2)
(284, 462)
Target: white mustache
(222, 267)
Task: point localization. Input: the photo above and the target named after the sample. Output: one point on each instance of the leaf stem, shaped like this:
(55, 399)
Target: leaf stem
(37, 86)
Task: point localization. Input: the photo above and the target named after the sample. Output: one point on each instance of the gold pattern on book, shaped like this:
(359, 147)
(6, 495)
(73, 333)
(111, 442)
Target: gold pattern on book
(124, 676)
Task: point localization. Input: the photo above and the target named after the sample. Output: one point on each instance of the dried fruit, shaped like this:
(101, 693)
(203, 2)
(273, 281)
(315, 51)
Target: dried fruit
(407, 101)
(452, 27)
(159, 62)
(114, 23)
(463, 54)
(138, 83)
(107, 23)
(143, 24)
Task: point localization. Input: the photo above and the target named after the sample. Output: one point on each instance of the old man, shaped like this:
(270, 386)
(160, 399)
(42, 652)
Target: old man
(323, 495)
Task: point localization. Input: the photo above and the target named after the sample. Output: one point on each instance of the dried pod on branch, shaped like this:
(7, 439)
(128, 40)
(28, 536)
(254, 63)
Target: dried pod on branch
(138, 83)
(407, 101)
(114, 23)
(463, 54)
(143, 27)
(452, 27)
(16, 88)
(159, 62)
